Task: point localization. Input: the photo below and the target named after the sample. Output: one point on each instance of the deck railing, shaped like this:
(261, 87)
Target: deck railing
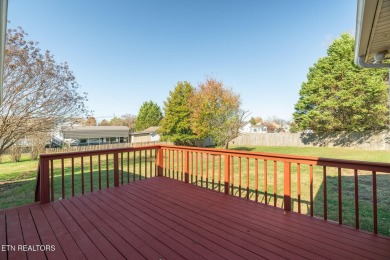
(321, 187)
(63, 175)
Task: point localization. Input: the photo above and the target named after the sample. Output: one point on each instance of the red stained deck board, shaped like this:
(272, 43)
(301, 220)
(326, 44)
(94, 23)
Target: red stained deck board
(224, 217)
(122, 230)
(89, 249)
(242, 239)
(346, 234)
(330, 239)
(64, 238)
(217, 235)
(261, 238)
(186, 237)
(47, 235)
(144, 222)
(15, 236)
(120, 244)
(30, 234)
(161, 218)
(3, 236)
(104, 245)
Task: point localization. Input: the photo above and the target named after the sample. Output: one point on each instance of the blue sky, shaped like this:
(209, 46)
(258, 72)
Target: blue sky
(125, 52)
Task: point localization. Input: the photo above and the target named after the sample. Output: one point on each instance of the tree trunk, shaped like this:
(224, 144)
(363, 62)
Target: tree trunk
(227, 145)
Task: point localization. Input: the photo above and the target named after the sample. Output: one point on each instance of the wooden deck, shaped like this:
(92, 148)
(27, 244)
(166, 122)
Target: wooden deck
(160, 218)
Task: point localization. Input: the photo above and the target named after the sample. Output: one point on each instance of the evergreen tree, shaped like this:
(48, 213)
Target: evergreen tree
(149, 115)
(176, 125)
(340, 96)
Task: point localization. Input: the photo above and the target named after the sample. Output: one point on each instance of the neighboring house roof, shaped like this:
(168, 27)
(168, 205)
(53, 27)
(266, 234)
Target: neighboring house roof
(372, 31)
(95, 131)
(150, 130)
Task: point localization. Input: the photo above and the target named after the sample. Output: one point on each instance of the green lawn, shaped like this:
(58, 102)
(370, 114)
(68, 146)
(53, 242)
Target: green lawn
(17, 181)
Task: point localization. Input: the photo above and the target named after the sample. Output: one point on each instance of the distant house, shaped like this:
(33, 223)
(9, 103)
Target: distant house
(92, 135)
(258, 128)
(148, 135)
(247, 127)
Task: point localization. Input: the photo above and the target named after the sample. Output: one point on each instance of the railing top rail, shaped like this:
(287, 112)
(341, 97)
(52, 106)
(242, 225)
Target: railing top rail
(65, 155)
(330, 162)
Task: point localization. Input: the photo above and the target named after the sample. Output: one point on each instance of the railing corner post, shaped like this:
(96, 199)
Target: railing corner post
(227, 173)
(44, 181)
(160, 162)
(287, 186)
(116, 169)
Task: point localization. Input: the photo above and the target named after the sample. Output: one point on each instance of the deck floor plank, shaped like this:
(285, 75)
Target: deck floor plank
(30, 234)
(118, 242)
(104, 245)
(330, 231)
(66, 241)
(161, 218)
(209, 231)
(3, 236)
(46, 235)
(244, 219)
(150, 229)
(186, 237)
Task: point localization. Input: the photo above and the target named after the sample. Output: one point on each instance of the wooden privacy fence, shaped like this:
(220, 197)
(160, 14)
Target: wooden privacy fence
(278, 180)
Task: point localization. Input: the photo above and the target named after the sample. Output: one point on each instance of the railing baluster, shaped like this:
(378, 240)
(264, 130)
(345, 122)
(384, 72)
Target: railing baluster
(239, 177)
(186, 166)
(219, 173)
(247, 178)
(140, 165)
(356, 199)
(299, 186)
(232, 174)
(325, 195)
(192, 167)
(122, 169)
(51, 181)
(72, 177)
(227, 173)
(201, 169)
(150, 163)
(169, 162)
(275, 183)
(213, 174)
(311, 191)
(82, 174)
(177, 164)
(107, 173)
(116, 169)
(128, 167)
(265, 182)
(257, 179)
(90, 172)
(207, 170)
(100, 172)
(196, 168)
(63, 178)
(287, 186)
(146, 164)
(374, 202)
(339, 196)
(134, 160)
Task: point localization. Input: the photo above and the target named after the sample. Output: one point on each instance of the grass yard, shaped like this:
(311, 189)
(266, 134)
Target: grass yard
(17, 180)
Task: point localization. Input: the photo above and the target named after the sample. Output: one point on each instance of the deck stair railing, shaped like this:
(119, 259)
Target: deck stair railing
(320, 187)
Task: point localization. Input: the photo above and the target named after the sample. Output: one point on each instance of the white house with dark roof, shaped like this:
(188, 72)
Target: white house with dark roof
(92, 135)
(148, 135)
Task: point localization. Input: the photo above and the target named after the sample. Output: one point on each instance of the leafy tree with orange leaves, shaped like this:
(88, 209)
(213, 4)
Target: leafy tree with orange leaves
(216, 112)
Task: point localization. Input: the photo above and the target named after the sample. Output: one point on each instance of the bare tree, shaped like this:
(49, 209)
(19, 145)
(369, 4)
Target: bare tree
(91, 121)
(129, 121)
(38, 142)
(38, 92)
